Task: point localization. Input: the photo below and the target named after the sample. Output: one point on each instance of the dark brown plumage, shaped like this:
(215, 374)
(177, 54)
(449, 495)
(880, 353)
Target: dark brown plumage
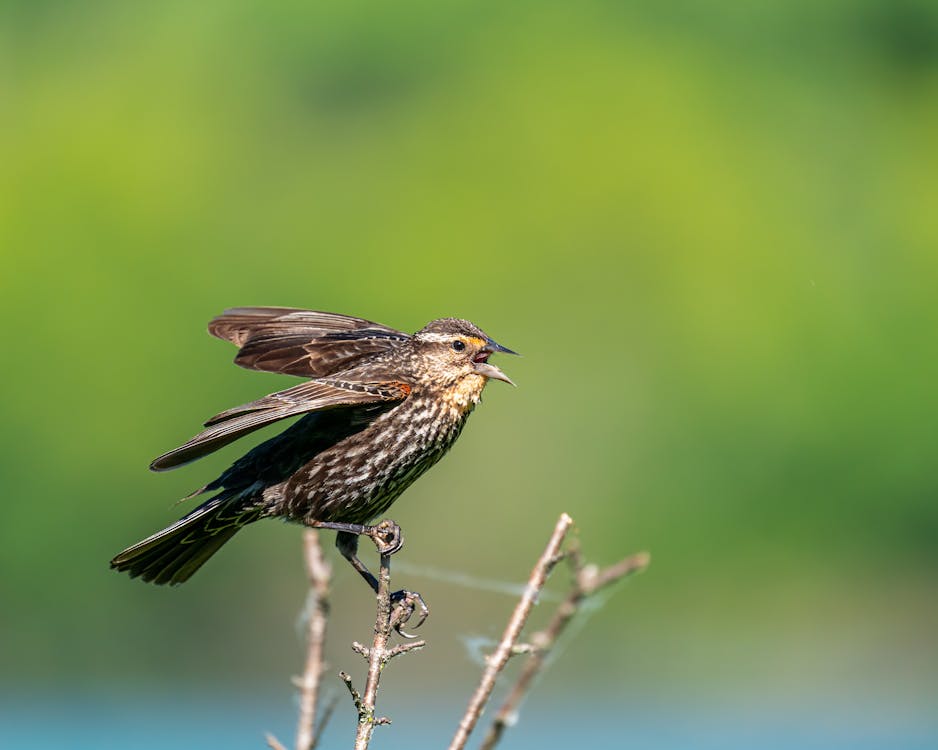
(381, 408)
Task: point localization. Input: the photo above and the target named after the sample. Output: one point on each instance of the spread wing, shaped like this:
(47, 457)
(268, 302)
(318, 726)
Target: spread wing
(232, 424)
(301, 342)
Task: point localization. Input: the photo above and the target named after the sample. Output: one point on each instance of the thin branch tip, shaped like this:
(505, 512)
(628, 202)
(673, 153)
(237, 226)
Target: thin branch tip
(496, 662)
(587, 579)
(404, 648)
(356, 697)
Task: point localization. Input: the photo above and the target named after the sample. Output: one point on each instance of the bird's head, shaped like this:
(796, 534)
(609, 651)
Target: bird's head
(455, 352)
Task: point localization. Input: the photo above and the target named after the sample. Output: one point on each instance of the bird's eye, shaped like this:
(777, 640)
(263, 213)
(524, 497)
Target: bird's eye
(459, 345)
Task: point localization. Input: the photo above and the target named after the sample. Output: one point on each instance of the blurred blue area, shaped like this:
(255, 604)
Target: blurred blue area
(192, 719)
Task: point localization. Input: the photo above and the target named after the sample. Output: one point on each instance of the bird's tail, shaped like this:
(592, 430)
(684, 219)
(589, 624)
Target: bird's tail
(175, 553)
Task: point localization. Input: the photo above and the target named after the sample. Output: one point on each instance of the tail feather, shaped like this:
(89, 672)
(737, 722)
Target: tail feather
(175, 553)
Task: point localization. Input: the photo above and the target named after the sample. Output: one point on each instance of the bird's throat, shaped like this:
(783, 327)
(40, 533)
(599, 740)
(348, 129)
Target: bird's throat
(463, 395)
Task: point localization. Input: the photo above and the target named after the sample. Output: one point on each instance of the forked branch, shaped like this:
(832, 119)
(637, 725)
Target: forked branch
(390, 616)
(497, 661)
(587, 580)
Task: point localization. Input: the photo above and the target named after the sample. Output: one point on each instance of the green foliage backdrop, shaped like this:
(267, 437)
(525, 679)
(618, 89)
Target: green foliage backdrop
(710, 229)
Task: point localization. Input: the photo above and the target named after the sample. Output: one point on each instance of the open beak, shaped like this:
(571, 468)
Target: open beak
(481, 361)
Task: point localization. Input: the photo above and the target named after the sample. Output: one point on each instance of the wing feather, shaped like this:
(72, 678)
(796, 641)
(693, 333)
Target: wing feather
(307, 343)
(232, 424)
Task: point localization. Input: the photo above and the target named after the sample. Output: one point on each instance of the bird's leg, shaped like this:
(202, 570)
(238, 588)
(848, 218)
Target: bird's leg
(388, 539)
(387, 536)
(347, 544)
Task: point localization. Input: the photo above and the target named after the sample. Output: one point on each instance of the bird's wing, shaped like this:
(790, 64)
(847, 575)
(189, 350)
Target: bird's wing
(232, 424)
(301, 342)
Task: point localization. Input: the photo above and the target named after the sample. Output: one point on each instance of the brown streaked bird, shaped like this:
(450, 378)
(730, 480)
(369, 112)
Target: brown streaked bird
(381, 408)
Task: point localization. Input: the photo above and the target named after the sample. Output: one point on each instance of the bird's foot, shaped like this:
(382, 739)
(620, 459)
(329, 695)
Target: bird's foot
(387, 536)
(403, 606)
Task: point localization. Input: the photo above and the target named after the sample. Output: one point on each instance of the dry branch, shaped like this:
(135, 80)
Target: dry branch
(496, 662)
(319, 572)
(587, 580)
(388, 618)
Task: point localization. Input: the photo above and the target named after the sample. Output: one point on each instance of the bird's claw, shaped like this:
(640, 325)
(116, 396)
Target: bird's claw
(387, 536)
(405, 603)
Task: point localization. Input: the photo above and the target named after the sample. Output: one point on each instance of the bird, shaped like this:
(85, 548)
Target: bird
(379, 407)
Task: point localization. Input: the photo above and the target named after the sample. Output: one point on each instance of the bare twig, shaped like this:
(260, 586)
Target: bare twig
(388, 618)
(356, 696)
(366, 707)
(496, 662)
(587, 580)
(319, 572)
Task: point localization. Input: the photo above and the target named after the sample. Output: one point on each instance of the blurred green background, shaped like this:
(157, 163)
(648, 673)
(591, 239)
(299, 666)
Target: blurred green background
(711, 229)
